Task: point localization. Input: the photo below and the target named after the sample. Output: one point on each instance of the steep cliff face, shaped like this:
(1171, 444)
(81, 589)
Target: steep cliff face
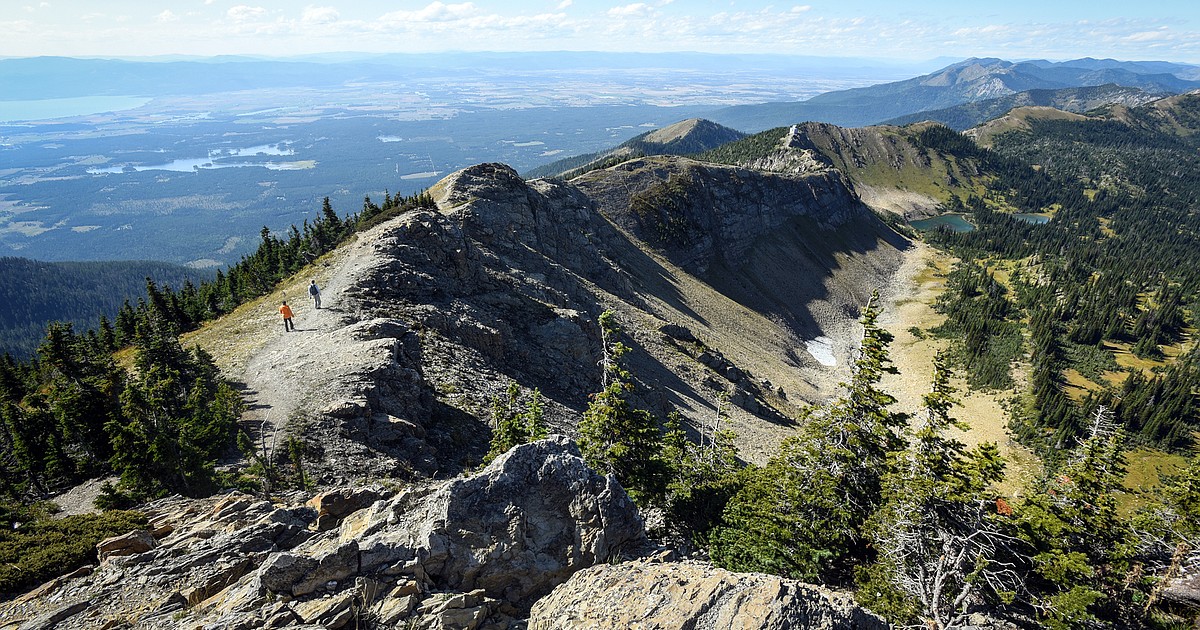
(704, 214)
(890, 170)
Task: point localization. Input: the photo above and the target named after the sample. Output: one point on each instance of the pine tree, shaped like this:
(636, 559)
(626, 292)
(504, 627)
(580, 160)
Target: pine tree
(1080, 549)
(615, 437)
(515, 424)
(701, 477)
(941, 551)
(802, 514)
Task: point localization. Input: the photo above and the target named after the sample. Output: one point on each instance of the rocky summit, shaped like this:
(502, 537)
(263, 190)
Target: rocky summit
(693, 595)
(536, 529)
(450, 554)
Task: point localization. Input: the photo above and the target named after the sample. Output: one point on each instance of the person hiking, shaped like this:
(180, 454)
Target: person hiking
(315, 293)
(286, 311)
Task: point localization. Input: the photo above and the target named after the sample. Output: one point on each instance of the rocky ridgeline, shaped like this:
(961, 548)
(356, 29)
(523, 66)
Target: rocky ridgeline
(478, 551)
(429, 316)
(435, 312)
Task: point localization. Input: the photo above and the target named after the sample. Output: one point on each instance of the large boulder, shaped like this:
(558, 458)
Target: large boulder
(693, 595)
(136, 541)
(516, 530)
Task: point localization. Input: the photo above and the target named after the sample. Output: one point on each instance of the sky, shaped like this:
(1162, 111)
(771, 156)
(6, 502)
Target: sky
(895, 29)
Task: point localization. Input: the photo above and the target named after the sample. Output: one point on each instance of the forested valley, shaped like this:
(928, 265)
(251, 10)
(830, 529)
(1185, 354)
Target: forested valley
(35, 293)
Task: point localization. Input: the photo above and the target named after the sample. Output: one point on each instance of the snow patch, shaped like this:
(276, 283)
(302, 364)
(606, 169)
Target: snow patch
(821, 349)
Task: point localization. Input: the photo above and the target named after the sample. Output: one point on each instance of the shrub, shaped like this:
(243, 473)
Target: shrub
(37, 551)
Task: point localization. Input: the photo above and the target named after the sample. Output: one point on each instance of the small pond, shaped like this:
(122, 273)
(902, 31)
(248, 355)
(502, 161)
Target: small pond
(959, 223)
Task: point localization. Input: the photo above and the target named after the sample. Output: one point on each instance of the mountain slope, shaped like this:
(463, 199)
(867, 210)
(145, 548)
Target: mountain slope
(967, 81)
(894, 169)
(432, 314)
(682, 138)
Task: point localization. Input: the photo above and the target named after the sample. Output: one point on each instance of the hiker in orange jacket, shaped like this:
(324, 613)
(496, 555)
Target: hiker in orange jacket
(286, 311)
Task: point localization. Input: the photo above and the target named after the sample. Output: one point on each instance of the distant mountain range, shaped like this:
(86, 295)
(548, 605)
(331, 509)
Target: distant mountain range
(968, 81)
(1077, 100)
(33, 78)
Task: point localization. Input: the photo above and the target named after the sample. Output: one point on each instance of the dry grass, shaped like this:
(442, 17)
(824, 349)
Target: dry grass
(1126, 359)
(1145, 469)
(1078, 386)
(922, 280)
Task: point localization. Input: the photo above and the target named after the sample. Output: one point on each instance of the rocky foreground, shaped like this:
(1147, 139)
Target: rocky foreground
(536, 539)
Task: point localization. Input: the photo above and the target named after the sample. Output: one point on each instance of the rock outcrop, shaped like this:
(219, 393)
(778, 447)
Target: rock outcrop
(461, 553)
(693, 595)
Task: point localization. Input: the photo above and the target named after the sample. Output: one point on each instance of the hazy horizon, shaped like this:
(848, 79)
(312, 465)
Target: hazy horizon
(870, 29)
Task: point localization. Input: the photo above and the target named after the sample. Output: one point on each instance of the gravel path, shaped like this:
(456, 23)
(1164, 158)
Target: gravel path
(251, 347)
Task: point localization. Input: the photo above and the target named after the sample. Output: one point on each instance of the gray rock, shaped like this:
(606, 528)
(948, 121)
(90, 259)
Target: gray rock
(137, 541)
(282, 570)
(694, 595)
(521, 526)
(51, 618)
(675, 331)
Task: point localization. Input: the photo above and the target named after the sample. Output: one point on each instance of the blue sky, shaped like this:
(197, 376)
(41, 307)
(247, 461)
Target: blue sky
(898, 29)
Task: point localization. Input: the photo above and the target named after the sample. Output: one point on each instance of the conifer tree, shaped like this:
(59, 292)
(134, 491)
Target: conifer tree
(701, 477)
(1080, 549)
(516, 424)
(941, 551)
(615, 437)
(802, 514)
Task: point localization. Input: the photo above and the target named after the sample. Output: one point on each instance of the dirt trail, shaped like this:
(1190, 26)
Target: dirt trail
(251, 347)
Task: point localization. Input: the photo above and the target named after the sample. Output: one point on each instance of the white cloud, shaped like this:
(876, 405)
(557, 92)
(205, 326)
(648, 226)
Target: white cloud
(1163, 33)
(166, 16)
(637, 9)
(319, 15)
(244, 13)
(433, 12)
(564, 4)
(17, 26)
(801, 8)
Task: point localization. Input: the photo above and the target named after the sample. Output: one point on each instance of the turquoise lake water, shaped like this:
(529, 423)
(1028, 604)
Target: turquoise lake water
(956, 222)
(45, 109)
(959, 222)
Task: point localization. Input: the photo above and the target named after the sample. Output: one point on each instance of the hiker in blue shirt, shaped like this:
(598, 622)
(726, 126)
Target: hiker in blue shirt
(315, 293)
